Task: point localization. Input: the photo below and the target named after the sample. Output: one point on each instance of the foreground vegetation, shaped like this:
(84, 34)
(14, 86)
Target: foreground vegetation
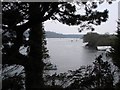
(99, 76)
(30, 18)
(19, 18)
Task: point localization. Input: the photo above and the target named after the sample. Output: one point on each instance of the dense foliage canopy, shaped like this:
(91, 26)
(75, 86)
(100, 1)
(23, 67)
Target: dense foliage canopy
(19, 18)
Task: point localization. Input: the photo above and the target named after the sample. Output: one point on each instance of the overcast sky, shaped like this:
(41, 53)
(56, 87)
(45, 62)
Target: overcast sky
(109, 26)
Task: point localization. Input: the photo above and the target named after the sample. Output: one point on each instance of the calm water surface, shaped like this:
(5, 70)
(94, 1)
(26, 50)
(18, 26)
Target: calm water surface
(69, 54)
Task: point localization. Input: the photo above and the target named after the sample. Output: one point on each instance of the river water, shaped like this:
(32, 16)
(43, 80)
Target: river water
(70, 53)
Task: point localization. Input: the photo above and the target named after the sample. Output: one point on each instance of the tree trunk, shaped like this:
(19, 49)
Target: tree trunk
(35, 65)
(33, 78)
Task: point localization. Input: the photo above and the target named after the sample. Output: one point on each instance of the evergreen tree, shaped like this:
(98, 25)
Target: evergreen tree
(96, 77)
(20, 17)
(115, 52)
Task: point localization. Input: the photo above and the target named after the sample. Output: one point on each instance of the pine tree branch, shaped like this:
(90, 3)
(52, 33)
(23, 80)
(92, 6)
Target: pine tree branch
(15, 58)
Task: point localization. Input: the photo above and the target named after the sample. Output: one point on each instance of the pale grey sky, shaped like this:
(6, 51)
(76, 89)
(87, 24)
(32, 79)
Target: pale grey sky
(109, 26)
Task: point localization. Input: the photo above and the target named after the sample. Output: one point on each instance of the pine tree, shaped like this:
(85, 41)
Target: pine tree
(115, 52)
(18, 17)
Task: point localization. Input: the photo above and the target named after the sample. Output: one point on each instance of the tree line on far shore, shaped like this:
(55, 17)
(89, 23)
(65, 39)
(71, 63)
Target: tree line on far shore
(95, 39)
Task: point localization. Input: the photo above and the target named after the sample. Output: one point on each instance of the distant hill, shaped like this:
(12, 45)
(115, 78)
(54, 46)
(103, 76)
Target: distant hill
(58, 35)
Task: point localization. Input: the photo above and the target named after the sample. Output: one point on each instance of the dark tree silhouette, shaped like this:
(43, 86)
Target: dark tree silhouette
(96, 77)
(116, 48)
(15, 82)
(21, 17)
(115, 52)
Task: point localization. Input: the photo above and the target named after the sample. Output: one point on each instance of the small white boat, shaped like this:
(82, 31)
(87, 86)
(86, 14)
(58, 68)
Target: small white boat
(103, 48)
